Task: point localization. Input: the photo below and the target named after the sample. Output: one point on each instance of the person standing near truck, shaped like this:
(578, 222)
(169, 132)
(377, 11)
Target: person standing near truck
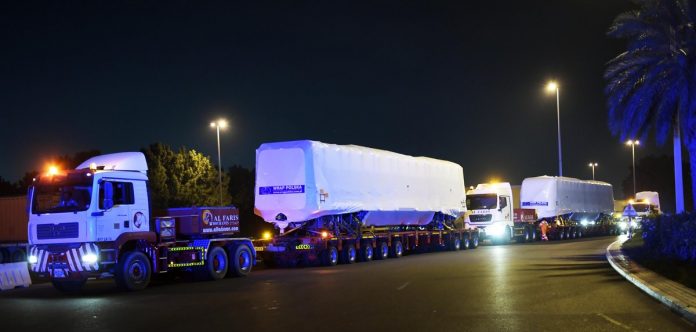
(544, 228)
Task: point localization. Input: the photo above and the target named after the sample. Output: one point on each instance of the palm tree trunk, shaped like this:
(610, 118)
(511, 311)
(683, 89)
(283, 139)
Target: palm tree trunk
(678, 179)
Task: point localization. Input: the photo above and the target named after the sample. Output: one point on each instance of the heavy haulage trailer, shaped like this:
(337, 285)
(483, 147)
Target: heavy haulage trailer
(96, 222)
(571, 208)
(347, 203)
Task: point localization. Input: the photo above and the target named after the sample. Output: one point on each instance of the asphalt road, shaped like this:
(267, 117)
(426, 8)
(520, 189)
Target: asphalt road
(557, 286)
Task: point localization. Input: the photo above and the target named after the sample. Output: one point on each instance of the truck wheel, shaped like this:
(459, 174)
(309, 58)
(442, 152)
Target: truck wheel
(382, 250)
(455, 243)
(532, 234)
(68, 286)
(133, 271)
(467, 242)
(579, 233)
(241, 262)
(329, 257)
(397, 249)
(367, 252)
(349, 254)
(215, 266)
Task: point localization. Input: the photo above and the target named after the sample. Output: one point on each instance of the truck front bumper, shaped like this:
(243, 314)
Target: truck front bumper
(69, 261)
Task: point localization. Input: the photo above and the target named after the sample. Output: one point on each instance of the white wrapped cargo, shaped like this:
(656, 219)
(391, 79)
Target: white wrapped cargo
(303, 180)
(554, 196)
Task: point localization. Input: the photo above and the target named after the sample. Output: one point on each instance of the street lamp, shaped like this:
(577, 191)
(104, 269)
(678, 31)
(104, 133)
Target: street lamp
(593, 165)
(633, 144)
(551, 87)
(219, 124)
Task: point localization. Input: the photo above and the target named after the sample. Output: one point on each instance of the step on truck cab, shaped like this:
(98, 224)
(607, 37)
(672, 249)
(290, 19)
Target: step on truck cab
(96, 222)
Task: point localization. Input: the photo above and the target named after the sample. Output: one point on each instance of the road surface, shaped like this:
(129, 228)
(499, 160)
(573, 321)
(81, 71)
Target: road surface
(556, 286)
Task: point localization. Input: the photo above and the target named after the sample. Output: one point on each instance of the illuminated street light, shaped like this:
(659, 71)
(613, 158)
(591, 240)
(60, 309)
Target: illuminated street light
(633, 144)
(551, 87)
(52, 170)
(593, 165)
(219, 124)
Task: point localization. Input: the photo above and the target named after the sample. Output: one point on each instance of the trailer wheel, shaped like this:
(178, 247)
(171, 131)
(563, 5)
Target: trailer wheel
(19, 256)
(382, 250)
(532, 233)
(455, 243)
(474, 242)
(367, 252)
(397, 249)
(349, 254)
(579, 233)
(133, 271)
(467, 242)
(242, 261)
(329, 257)
(68, 286)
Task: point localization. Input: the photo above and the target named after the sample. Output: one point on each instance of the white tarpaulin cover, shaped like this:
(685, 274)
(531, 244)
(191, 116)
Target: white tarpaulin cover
(302, 180)
(553, 196)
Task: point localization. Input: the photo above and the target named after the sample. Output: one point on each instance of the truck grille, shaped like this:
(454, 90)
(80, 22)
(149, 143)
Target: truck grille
(66, 230)
(480, 217)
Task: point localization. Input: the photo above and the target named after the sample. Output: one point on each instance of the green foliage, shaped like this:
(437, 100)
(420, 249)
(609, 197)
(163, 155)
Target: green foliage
(242, 182)
(183, 178)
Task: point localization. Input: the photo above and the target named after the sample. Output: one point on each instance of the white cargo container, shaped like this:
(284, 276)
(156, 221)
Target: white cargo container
(302, 180)
(350, 203)
(553, 196)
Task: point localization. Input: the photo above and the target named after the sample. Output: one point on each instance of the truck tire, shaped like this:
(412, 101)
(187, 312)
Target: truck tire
(367, 252)
(133, 271)
(241, 262)
(455, 243)
(215, 266)
(382, 250)
(579, 233)
(68, 286)
(532, 233)
(467, 242)
(397, 249)
(349, 254)
(329, 257)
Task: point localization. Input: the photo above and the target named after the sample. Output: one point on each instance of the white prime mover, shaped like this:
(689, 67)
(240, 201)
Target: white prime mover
(569, 205)
(345, 198)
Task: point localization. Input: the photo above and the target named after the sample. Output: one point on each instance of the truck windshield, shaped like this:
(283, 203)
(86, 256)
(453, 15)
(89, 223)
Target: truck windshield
(642, 207)
(481, 201)
(65, 193)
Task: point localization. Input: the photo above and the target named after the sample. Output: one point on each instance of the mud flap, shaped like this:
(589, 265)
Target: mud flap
(14, 275)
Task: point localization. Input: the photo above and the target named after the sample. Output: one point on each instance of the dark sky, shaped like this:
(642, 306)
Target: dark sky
(455, 80)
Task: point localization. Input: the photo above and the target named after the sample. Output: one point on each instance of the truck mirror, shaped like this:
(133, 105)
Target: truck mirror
(108, 201)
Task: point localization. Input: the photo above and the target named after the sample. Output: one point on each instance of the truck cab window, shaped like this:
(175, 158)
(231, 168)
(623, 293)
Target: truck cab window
(123, 193)
(503, 202)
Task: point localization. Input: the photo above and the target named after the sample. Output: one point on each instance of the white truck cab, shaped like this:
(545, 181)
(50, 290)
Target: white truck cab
(490, 207)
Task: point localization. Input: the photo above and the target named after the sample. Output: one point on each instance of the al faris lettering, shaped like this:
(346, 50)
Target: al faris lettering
(280, 190)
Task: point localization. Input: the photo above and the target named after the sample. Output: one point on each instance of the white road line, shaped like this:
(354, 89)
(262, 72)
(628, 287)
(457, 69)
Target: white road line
(403, 286)
(613, 321)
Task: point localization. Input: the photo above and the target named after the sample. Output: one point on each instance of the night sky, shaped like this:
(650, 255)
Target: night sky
(457, 80)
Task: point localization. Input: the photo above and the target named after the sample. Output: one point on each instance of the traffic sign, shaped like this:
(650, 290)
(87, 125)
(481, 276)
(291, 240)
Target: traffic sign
(629, 211)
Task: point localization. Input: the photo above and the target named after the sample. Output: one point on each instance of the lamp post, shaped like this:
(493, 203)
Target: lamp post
(219, 124)
(593, 165)
(551, 87)
(633, 144)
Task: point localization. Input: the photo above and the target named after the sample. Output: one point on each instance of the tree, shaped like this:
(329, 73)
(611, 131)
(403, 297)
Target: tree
(655, 173)
(242, 182)
(183, 178)
(652, 86)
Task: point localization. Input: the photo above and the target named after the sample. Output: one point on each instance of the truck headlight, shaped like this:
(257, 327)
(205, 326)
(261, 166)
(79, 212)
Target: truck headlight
(32, 259)
(89, 258)
(584, 222)
(497, 229)
(623, 225)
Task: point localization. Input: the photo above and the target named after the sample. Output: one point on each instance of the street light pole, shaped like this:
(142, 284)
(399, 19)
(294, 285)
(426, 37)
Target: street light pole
(593, 165)
(218, 125)
(551, 87)
(633, 144)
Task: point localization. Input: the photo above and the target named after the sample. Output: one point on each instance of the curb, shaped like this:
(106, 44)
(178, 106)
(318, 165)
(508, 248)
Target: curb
(675, 296)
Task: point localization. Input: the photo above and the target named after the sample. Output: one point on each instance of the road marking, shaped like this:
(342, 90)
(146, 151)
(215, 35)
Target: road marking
(613, 321)
(403, 286)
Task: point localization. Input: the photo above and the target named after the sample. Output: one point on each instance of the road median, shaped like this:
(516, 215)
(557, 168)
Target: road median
(674, 295)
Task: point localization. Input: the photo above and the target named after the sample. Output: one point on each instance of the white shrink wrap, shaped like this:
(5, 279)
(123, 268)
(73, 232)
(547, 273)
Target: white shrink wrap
(303, 180)
(554, 196)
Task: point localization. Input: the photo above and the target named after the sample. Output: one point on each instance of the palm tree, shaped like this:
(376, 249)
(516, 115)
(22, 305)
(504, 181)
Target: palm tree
(652, 86)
